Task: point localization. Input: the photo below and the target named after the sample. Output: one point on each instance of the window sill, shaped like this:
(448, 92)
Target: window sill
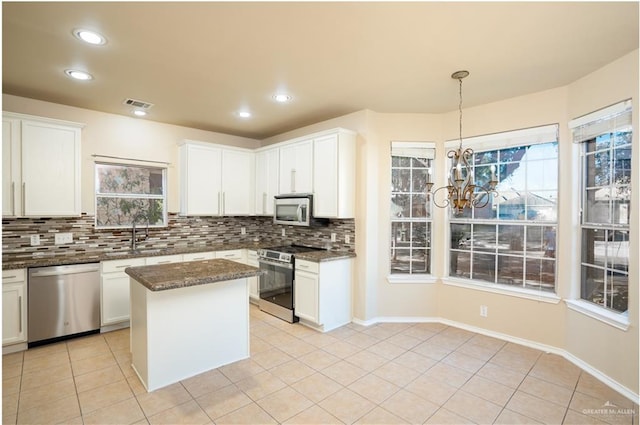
(529, 294)
(617, 320)
(411, 278)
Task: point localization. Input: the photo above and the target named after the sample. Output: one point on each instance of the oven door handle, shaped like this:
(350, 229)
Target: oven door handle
(275, 263)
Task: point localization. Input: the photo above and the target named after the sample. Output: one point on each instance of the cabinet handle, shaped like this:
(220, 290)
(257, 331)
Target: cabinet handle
(124, 266)
(224, 199)
(293, 180)
(9, 277)
(24, 197)
(13, 198)
(302, 266)
(164, 262)
(264, 202)
(20, 314)
(219, 203)
(198, 258)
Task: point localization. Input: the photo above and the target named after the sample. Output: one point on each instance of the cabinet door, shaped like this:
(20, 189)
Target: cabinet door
(237, 182)
(305, 294)
(115, 298)
(266, 180)
(201, 180)
(14, 303)
(10, 166)
(50, 169)
(325, 195)
(296, 167)
(232, 255)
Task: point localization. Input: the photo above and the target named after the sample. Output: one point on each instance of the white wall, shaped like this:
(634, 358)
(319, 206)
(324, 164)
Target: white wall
(117, 135)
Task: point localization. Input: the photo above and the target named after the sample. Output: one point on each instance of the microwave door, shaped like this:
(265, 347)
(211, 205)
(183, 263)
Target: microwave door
(287, 213)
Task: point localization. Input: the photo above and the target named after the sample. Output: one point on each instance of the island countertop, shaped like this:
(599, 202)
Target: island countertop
(162, 277)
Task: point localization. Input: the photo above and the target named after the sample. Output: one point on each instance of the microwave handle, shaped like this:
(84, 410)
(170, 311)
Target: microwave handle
(299, 213)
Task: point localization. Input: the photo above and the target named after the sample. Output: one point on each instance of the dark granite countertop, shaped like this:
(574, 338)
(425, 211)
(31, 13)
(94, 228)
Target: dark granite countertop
(163, 277)
(46, 260)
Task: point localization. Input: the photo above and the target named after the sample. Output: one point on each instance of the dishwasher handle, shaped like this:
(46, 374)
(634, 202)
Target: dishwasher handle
(64, 270)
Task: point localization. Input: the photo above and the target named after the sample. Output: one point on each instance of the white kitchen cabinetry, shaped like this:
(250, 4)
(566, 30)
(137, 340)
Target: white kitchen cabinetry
(322, 293)
(163, 259)
(254, 282)
(267, 167)
(334, 177)
(200, 180)
(114, 290)
(215, 180)
(42, 177)
(199, 256)
(238, 255)
(296, 167)
(14, 306)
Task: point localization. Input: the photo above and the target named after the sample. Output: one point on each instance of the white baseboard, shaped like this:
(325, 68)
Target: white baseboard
(602, 377)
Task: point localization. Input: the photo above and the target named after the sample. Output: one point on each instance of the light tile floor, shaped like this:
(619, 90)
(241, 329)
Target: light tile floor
(383, 374)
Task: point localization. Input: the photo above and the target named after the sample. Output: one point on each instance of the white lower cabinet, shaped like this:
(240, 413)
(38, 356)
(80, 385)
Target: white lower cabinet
(199, 256)
(114, 290)
(322, 293)
(233, 255)
(14, 306)
(254, 282)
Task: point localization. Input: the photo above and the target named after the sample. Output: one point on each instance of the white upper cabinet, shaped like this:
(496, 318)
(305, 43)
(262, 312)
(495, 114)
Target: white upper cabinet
(43, 159)
(200, 180)
(215, 180)
(238, 171)
(267, 167)
(296, 167)
(334, 176)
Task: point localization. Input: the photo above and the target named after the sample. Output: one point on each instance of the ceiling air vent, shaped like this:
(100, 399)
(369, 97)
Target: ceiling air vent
(138, 103)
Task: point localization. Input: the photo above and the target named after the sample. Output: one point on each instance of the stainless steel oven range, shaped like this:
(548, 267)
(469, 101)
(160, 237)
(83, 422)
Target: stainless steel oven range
(276, 283)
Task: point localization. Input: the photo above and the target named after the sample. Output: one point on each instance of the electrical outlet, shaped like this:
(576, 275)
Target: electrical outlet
(35, 240)
(63, 238)
(333, 237)
(243, 230)
(347, 239)
(284, 233)
(484, 311)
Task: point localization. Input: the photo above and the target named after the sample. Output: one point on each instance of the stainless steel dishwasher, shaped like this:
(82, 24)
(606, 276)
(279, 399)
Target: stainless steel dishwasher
(63, 301)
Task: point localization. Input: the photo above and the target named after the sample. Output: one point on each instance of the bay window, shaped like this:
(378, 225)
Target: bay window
(411, 226)
(512, 240)
(605, 138)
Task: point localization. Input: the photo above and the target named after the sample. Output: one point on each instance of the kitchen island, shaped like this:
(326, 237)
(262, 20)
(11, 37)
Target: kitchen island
(188, 318)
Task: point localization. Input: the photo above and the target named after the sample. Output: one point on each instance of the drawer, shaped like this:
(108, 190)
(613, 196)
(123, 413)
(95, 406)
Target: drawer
(308, 266)
(233, 254)
(164, 259)
(119, 265)
(11, 276)
(198, 256)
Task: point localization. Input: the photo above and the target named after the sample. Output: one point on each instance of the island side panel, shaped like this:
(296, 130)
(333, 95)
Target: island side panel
(138, 329)
(194, 329)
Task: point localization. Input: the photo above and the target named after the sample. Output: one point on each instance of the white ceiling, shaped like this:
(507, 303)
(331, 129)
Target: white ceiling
(201, 62)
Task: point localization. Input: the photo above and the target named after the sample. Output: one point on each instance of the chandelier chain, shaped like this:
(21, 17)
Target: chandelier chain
(460, 109)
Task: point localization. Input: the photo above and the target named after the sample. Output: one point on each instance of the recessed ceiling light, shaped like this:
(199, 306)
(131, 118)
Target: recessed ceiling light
(281, 98)
(244, 114)
(90, 37)
(78, 75)
(139, 113)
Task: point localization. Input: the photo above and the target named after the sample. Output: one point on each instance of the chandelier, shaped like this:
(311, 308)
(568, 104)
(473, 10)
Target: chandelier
(462, 192)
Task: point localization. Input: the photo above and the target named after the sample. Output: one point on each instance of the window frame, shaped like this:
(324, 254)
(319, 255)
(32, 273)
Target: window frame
(412, 149)
(586, 129)
(163, 198)
(545, 134)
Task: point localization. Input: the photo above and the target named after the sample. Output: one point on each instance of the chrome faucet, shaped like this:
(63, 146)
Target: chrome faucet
(134, 238)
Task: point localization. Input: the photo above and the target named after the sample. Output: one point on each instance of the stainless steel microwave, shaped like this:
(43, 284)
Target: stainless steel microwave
(296, 209)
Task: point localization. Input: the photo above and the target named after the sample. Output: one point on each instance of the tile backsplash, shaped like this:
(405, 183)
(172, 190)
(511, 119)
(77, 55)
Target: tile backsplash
(180, 232)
